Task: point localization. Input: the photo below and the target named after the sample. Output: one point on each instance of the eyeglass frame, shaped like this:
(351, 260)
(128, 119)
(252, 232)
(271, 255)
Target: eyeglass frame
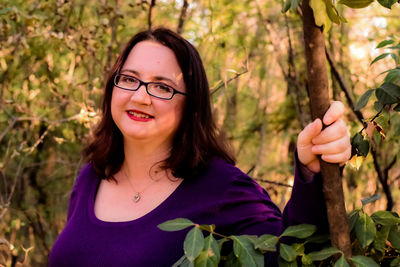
(146, 86)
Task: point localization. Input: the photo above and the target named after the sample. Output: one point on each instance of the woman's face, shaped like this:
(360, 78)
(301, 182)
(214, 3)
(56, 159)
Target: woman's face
(139, 116)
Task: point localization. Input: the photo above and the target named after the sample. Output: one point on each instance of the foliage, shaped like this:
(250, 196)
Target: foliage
(375, 241)
(387, 102)
(55, 54)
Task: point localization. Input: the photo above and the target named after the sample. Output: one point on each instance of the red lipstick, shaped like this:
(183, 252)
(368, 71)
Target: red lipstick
(137, 115)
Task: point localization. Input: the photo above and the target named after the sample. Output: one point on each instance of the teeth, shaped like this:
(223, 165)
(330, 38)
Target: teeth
(140, 115)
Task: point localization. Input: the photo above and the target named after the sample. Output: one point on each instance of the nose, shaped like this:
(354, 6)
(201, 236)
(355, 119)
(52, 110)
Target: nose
(141, 96)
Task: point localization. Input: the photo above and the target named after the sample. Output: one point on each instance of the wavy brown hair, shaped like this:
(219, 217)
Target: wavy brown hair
(197, 139)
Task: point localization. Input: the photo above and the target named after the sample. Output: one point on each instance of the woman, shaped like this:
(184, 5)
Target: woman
(157, 155)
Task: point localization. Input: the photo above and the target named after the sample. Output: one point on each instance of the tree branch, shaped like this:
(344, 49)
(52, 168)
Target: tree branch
(343, 86)
(314, 43)
(182, 16)
(272, 182)
(149, 18)
(224, 83)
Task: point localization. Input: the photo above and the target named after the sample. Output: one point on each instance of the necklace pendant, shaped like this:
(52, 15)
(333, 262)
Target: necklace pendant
(136, 197)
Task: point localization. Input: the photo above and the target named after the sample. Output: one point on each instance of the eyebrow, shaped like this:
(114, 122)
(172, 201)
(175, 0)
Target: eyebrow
(156, 78)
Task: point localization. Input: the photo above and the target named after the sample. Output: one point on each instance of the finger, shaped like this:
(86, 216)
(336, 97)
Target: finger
(334, 112)
(309, 132)
(334, 147)
(331, 133)
(314, 166)
(338, 158)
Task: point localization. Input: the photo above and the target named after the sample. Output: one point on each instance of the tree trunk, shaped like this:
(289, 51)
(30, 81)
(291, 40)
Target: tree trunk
(314, 42)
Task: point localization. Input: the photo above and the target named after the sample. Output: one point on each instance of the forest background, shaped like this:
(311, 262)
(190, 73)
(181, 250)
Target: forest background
(54, 56)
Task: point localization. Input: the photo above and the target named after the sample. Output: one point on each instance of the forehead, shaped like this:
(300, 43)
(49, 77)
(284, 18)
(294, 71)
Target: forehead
(150, 58)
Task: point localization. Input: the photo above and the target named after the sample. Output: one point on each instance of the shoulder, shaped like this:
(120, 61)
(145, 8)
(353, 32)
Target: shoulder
(224, 175)
(86, 176)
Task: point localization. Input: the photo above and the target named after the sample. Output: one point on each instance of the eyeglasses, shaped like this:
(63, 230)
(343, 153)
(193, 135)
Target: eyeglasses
(155, 89)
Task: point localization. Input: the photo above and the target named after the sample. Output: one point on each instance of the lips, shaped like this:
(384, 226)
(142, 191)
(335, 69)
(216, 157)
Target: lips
(139, 115)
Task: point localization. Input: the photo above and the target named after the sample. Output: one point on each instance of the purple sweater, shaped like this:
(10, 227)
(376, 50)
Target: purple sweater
(223, 195)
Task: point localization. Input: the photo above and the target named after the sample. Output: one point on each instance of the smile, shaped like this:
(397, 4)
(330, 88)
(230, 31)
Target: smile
(139, 115)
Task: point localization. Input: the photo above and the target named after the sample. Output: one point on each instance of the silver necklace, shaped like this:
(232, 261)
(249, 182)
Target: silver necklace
(137, 196)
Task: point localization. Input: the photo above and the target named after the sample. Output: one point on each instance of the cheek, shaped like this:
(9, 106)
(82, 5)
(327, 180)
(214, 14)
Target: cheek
(179, 111)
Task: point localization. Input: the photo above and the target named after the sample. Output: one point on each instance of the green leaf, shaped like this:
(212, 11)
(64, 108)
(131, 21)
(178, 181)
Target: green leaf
(341, 262)
(395, 262)
(391, 89)
(385, 218)
(387, 3)
(384, 98)
(286, 6)
(365, 230)
(362, 261)
(283, 263)
(332, 12)
(394, 56)
(175, 225)
(364, 99)
(318, 239)
(266, 243)
(287, 253)
(385, 43)
(357, 139)
(394, 237)
(306, 260)
(300, 231)
(395, 46)
(208, 228)
(393, 76)
(244, 250)
(397, 107)
(299, 248)
(380, 239)
(380, 57)
(323, 254)
(370, 199)
(356, 3)
(210, 255)
(360, 144)
(294, 4)
(232, 261)
(193, 244)
(253, 238)
(378, 106)
(353, 218)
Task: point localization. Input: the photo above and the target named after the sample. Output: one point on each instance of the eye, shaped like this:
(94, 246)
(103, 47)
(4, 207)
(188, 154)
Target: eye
(128, 79)
(162, 87)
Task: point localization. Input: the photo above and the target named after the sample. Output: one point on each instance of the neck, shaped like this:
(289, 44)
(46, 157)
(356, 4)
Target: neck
(142, 159)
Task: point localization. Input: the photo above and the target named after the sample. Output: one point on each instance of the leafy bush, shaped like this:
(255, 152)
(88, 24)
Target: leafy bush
(375, 242)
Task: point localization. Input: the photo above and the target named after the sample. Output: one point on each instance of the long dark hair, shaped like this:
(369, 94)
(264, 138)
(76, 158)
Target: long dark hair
(197, 139)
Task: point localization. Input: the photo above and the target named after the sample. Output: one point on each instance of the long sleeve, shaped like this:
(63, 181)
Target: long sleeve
(307, 203)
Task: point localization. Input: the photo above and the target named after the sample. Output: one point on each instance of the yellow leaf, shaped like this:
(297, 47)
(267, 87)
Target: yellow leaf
(356, 161)
(371, 127)
(356, 3)
(59, 140)
(320, 15)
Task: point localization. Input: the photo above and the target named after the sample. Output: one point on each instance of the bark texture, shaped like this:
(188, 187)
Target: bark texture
(314, 42)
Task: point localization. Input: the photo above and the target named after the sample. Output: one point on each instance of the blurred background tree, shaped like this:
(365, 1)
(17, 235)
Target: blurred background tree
(55, 54)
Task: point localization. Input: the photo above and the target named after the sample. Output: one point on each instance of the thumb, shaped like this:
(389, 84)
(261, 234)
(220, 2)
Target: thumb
(309, 132)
